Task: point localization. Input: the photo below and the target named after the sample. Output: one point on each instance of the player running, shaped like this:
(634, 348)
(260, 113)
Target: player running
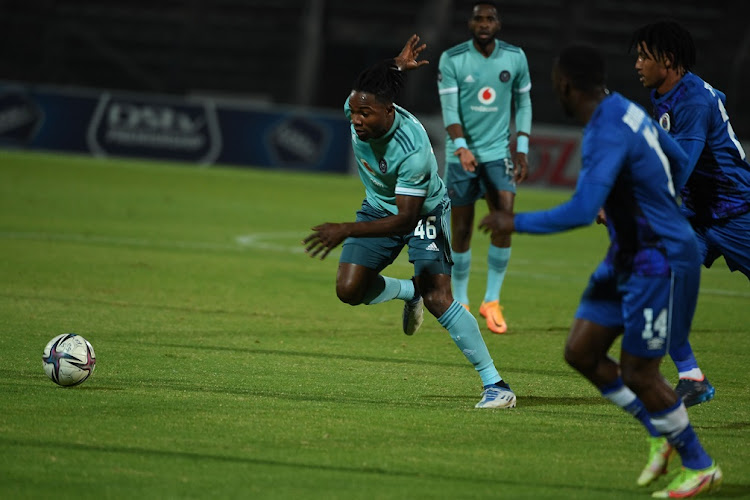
(406, 205)
(646, 287)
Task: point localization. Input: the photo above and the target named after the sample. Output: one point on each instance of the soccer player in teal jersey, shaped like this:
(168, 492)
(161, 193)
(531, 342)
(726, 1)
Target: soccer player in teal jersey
(646, 287)
(405, 205)
(716, 190)
(478, 82)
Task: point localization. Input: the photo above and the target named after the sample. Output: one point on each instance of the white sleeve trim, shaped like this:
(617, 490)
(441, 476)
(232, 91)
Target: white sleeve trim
(523, 90)
(411, 191)
(449, 90)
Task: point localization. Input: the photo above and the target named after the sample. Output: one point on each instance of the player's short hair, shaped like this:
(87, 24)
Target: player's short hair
(667, 40)
(583, 65)
(384, 80)
(487, 2)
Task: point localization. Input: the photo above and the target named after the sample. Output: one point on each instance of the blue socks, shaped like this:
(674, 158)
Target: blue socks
(622, 396)
(460, 276)
(385, 289)
(464, 330)
(497, 262)
(673, 423)
(685, 361)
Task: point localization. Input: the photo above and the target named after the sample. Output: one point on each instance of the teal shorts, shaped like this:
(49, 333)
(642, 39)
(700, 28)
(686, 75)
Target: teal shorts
(465, 188)
(429, 243)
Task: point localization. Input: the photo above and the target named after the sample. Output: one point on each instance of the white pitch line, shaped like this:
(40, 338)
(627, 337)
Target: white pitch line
(256, 241)
(725, 293)
(260, 241)
(265, 241)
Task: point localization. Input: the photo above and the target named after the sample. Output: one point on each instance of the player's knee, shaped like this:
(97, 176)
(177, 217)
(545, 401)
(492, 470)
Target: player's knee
(437, 301)
(639, 377)
(349, 293)
(502, 241)
(463, 231)
(461, 235)
(631, 378)
(578, 358)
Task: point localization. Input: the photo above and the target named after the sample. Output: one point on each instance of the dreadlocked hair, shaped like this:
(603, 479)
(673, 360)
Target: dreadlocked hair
(384, 80)
(667, 40)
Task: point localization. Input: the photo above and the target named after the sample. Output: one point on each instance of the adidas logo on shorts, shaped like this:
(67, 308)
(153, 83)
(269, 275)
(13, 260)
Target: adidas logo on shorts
(432, 247)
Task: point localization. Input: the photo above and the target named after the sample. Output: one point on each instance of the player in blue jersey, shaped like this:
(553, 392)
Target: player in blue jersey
(716, 188)
(647, 285)
(479, 81)
(406, 205)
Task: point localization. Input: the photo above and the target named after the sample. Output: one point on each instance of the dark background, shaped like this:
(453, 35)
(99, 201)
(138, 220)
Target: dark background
(307, 52)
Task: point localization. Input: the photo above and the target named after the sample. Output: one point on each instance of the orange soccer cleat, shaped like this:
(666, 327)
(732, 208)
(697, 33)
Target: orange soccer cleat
(493, 312)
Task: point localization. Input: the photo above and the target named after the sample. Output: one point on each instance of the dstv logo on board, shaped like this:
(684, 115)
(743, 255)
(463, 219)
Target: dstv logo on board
(132, 126)
(298, 141)
(127, 115)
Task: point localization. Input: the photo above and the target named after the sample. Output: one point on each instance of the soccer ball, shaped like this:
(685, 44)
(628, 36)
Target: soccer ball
(68, 359)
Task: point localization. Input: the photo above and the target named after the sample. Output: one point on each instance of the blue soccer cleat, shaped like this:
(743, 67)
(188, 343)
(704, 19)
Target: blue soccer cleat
(694, 392)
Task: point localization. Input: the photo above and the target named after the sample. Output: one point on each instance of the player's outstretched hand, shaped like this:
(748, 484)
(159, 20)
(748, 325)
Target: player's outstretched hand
(407, 59)
(324, 238)
(498, 222)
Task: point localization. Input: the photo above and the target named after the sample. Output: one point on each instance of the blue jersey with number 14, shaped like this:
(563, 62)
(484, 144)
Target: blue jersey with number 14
(627, 165)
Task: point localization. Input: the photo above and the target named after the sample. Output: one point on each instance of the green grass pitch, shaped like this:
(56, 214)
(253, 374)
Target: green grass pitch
(227, 368)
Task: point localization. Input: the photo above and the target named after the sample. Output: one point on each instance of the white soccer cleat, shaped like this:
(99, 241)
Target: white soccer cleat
(413, 315)
(494, 396)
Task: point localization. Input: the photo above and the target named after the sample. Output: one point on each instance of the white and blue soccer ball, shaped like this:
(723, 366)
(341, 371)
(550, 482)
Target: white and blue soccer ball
(68, 359)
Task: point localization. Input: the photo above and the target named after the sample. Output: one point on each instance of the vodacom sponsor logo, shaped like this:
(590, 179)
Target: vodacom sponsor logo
(486, 95)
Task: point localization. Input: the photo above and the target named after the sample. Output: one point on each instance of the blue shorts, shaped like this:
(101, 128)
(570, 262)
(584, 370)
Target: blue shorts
(429, 243)
(465, 188)
(653, 311)
(728, 237)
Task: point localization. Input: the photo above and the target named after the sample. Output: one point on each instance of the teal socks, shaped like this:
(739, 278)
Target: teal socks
(497, 262)
(385, 289)
(460, 276)
(464, 331)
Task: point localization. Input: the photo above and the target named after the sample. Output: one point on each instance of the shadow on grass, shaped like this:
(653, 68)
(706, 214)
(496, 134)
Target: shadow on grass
(244, 460)
(460, 362)
(424, 401)
(563, 401)
(734, 490)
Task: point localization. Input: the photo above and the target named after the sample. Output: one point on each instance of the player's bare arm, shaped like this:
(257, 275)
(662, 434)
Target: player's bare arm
(327, 236)
(465, 156)
(407, 59)
(521, 165)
